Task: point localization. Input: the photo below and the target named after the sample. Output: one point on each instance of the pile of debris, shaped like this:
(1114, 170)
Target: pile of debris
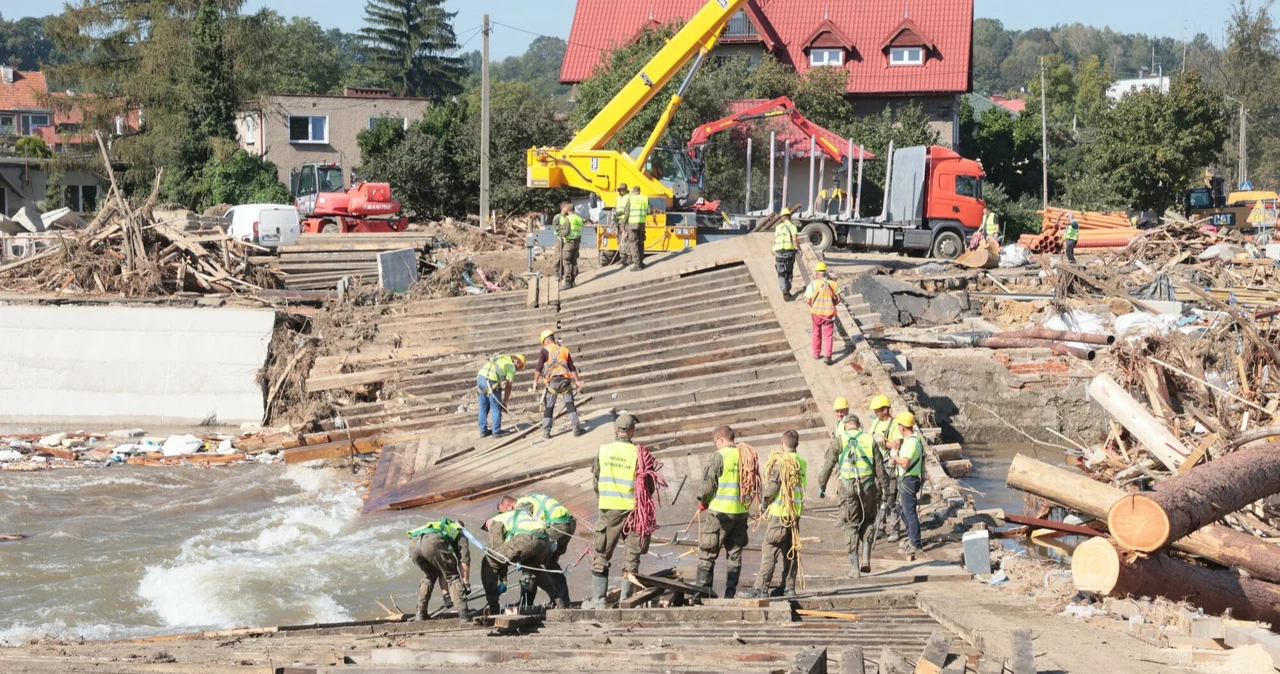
(80, 449)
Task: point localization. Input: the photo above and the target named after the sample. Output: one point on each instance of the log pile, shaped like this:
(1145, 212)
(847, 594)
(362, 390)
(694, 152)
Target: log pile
(319, 261)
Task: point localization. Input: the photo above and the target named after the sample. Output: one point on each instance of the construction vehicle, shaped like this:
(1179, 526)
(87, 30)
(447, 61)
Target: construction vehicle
(666, 178)
(327, 206)
(1225, 211)
(932, 205)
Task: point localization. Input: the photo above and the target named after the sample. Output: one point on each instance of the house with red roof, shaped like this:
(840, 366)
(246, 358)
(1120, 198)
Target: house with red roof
(895, 51)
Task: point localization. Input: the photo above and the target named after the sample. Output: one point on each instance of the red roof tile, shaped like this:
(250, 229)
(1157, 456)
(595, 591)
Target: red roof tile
(26, 93)
(600, 25)
(1011, 104)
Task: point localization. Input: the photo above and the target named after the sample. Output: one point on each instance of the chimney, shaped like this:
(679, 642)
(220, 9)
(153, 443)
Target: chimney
(7, 73)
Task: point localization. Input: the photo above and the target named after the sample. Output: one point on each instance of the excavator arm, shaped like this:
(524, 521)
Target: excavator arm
(585, 164)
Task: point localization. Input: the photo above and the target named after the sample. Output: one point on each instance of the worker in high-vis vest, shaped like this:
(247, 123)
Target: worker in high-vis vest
(841, 408)
(990, 227)
(620, 208)
(887, 438)
(557, 372)
(823, 296)
(786, 244)
(561, 526)
(637, 218)
(517, 537)
(568, 240)
(1071, 236)
(862, 477)
(909, 458)
(441, 551)
(493, 384)
(615, 483)
(783, 525)
(723, 514)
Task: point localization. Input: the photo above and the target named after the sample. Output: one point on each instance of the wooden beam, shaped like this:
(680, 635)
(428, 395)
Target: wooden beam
(332, 450)
(1051, 524)
(835, 615)
(643, 596)
(934, 657)
(511, 622)
(1151, 432)
(671, 585)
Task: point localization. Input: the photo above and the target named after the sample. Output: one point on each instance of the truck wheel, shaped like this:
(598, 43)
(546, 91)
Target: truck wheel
(818, 235)
(329, 227)
(948, 246)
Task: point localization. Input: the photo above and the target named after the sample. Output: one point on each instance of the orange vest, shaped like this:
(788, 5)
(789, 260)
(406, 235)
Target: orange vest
(557, 362)
(824, 299)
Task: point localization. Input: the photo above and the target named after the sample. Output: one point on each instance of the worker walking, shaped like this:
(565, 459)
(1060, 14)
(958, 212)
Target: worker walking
(1071, 236)
(560, 524)
(862, 478)
(723, 512)
(887, 438)
(493, 383)
(569, 237)
(909, 459)
(786, 243)
(822, 295)
(556, 370)
(517, 537)
(783, 528)
(615, 484)
(637, 218)
(439, 549)
(620, 215)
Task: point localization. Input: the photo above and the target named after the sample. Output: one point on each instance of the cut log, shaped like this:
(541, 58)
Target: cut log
(1099, 566)
(1150, 520)
(1216, 542)
(1150, 431)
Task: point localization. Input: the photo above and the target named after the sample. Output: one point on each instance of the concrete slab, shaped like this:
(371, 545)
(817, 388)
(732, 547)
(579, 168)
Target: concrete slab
(139, 366)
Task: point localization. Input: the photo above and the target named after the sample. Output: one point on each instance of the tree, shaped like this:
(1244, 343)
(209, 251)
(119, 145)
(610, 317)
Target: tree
(1150, 144)
(379, 140)
(519, 119)
(426, 169)
(409, 41)
(1249, 64)
(1092, 82)
(304, 58)
(25, 43)
(1060, 90)
(991, 46)
(32, 147)
(233, 176)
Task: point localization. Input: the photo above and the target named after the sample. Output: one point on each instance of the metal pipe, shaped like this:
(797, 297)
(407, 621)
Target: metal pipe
(786, 173)
(773, 158)
(1060, 336)
(1058, 348)
(813, 160)
(822, 176)
(747, 201)
(848, 176)
(857, 202)
(888, 184)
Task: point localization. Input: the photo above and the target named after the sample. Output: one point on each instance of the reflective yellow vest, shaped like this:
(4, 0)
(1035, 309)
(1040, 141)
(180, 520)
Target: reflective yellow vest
(841, 434)
(574, 222)
(782, 236)
(445, 528)
(857, 457)
(516, 522)
(499, 369)
(728, 498)
(545, 508)
(913, 451)
(618, 476)
(885, 427)
(989, 226)
(1073, 231)
(620, 208)
(637, 210)
(779, 507)
(823, 292)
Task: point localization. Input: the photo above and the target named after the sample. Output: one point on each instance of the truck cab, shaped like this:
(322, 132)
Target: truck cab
(307, 182)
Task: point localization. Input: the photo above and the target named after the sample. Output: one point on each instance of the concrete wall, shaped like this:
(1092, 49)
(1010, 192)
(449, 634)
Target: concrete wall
(266, 132)
(91, 366)
(33, 182)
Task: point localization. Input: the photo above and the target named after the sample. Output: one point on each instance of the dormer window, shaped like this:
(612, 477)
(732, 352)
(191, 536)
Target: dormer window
(906, 56)
(826, 57)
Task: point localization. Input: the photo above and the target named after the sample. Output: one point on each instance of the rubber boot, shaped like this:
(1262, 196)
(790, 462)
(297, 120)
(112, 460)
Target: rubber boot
(751, 593)
(731, 583)
(705, 577)
(562, 584)
(627, 589)
(857, 565)
(865, 563)
(599, 587)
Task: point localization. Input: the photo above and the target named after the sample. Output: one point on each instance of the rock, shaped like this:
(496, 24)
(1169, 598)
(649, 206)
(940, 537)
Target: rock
(54, 440)
(217, 211)
(127, 433)
(946, 309)
(71, 443)
(7, 455)
(1119, 306)
(250, 427)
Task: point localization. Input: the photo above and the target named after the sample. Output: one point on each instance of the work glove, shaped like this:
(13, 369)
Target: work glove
(466, 590)
(702, 507)
(822, 493)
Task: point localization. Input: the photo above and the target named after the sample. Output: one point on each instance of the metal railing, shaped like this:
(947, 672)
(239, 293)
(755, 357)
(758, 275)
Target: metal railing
(740, 26)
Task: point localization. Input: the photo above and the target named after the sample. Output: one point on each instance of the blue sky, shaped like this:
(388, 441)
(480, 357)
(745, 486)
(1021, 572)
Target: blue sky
(1173, 18)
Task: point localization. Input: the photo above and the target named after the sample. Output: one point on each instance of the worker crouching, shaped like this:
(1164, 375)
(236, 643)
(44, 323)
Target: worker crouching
(560, 525)
(517, 537)
(853, 452)
(440, 550)
(615, 472)
(724, 505)
(493, 384)
(787, 476)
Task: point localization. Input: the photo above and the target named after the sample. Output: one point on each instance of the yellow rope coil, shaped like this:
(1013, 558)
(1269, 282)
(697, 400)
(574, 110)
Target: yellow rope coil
(789, 481)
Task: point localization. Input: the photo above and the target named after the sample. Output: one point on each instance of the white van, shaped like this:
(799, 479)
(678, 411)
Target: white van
(267, 225)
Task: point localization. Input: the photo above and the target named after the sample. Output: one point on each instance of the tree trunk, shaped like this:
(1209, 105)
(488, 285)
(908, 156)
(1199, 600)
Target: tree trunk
(1099, 566)
(1216, 542)
(1201, 496)
(1150, 431)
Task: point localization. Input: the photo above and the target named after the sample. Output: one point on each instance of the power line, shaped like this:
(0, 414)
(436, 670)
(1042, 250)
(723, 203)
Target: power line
(553, 37)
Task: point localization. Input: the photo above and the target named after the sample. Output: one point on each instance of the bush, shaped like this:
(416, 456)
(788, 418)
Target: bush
(238, 177)
(32, 147)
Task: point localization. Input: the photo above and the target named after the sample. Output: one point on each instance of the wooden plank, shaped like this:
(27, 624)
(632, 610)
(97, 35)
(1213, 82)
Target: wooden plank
(511, 622)
(1052, 525)
(1151, 432)
(643, 596)
(835, 615)
(934, 657)
(1024, 654)
(332, 450)
(1198, 453)
(852, 661)
(812, 660)
(671, 585)
(991, 665)
(892, 662)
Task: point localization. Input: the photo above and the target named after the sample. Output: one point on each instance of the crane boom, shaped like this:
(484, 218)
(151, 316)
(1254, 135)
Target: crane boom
(584, 164)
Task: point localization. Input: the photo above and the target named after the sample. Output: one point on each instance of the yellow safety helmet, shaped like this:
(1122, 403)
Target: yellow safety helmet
(840, 404)
(821, 266)
(879, 402)
(546, 334)
(785, 212)
(906, 419)
(519, 359)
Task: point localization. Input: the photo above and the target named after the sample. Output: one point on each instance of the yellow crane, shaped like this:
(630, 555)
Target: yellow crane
(584, 164)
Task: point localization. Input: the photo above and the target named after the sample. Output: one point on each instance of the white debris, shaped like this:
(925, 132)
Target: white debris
(54, 440)
(181, 445)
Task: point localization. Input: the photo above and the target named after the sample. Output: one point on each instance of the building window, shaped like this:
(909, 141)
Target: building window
(398, 121)
(8, 125)
(32, 122)
(251, 129)
(308, 129)
(969, 186)
(81, 198)
(740, 26)
(906, 56)
(826, 57)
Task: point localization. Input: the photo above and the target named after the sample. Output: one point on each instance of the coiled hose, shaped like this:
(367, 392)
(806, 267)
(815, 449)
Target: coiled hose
(643, 519)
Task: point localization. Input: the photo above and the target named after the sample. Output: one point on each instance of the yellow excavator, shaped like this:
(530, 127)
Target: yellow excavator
(585, 164)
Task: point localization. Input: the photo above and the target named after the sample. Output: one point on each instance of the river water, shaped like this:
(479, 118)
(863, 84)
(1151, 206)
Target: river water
(137, 551)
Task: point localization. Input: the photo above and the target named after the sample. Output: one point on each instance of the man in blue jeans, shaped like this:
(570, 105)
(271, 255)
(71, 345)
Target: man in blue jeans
(498, 373)
(909, 458)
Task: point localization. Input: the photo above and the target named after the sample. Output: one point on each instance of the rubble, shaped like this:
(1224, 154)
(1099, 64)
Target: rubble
(902, 304)
(81, 449)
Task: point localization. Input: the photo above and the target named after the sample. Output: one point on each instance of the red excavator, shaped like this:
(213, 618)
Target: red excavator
(326, 205)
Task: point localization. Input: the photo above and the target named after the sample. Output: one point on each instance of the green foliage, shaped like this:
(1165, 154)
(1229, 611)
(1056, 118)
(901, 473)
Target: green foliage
(376, 142)
(298, 55)
(1151, 144)
(1060, 90)
(1091, 83)
(539, 66)
(233, 176)
(1009, 150)
(1019, 216)
(518, 119)
(32, 147)
(1249, 66)
(25, 43)
(409, 42)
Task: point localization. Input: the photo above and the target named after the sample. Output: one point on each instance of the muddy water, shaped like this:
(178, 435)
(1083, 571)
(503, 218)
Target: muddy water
(990, 468)
(134, 551)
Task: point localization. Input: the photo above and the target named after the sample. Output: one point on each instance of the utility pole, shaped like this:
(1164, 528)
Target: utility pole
(1044, 136)
(1244, 146)
(484, 127)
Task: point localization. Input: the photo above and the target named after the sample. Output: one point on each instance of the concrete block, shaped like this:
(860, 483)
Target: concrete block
(977, 552)
(397, 269)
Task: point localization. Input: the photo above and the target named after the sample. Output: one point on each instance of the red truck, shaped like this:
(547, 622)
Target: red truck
(326, 205)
